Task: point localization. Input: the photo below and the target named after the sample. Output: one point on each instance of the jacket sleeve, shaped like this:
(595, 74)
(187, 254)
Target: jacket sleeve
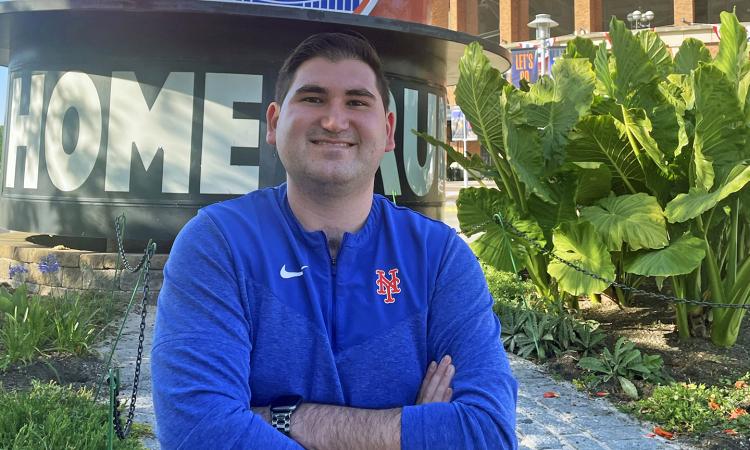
(200, 359)
(461, 323)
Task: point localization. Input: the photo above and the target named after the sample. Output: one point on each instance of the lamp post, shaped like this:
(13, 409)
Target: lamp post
(640, 20)
(543, 23)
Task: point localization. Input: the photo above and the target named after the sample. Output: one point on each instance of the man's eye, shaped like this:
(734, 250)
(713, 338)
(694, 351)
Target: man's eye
(357, 103)
(312, 100)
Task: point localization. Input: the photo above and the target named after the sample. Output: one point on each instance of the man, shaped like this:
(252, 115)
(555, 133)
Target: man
(317, 314)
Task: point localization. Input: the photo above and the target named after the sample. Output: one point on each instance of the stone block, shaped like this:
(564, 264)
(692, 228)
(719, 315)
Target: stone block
(7, 251)
(111, 262)
(158, 261)
(97, 261)
(97, 279)
(38, 277)
(72, 277)
(52, 291)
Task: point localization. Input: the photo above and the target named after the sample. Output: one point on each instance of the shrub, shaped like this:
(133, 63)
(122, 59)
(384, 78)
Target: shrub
(625, 364)
(50, 416)
(696, 408)
(506, 287)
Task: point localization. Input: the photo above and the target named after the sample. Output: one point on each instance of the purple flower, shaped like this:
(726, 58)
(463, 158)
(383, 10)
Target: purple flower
(49, 264)
(19, 268)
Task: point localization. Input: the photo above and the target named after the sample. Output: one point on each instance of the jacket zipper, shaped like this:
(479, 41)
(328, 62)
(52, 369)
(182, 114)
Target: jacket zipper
(333, 304)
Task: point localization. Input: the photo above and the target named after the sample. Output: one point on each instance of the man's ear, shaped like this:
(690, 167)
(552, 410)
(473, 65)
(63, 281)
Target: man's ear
(390, 129)
(272, 119)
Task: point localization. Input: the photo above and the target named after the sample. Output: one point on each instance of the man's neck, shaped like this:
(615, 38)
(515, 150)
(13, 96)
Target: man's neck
(332, 214)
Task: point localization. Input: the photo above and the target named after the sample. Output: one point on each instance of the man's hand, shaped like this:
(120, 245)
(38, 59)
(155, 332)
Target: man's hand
(436, 384)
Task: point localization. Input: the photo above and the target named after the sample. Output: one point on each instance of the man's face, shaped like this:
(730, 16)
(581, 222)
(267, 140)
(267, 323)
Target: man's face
(331, 128)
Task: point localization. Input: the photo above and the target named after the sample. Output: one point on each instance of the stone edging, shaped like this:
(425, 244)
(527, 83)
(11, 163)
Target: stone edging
(80, 270)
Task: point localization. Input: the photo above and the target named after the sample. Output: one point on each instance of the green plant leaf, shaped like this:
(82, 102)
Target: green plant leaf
(633, 68)
(657, 51)
(636, 219)
(697, 200)
(475, 165)
(732, 55)
(681, 257)
(720, 135)
(579, 244)
(639, 125)
(592, 364)
(594, 182)
(497, 246)
(555, 104)
(628, 387)
(605, 82)
(523, 146)
(692, 52)
(547, 215)
(668, 130)
(478, 93)
(597, 139)
(580, 47)
(476, 208)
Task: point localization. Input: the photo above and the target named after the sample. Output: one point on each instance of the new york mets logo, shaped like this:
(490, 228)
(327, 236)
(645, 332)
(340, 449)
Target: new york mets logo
(388, 287)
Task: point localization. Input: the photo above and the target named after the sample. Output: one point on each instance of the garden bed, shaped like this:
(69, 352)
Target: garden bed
(650, 325)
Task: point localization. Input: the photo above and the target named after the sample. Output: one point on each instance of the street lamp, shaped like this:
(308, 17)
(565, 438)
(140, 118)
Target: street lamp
(543, 23)
(640, 20)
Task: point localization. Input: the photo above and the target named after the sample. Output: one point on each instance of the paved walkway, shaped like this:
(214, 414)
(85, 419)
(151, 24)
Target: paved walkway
(570, 421)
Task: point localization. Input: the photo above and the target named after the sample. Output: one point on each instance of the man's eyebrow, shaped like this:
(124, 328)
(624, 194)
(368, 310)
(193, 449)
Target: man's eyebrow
(360, 93)
(310, 89)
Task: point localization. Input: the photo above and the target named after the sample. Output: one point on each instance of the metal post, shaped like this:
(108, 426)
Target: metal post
(466, 174)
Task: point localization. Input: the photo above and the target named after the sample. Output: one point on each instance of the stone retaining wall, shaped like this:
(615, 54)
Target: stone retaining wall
(79, 270)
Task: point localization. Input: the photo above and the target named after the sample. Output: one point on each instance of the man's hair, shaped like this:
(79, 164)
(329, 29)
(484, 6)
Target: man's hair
(333, 47)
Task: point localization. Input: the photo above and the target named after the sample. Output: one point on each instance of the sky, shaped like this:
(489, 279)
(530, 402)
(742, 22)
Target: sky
(3, 92)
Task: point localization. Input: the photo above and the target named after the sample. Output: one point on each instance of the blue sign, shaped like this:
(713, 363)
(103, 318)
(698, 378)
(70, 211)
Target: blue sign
(523, 64)
(552, 54)
(363, 7)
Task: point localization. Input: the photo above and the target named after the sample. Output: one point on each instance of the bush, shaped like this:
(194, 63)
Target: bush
(506, 287)
(695, 408)
(50, 416)
(625, 364)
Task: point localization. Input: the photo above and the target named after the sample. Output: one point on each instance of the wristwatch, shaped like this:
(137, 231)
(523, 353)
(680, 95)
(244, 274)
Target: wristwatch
(281, 412)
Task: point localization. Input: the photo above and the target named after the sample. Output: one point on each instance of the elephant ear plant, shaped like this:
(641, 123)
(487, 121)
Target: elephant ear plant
(625, 162)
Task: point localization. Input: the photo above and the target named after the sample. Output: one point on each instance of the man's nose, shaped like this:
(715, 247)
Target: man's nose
(335, 118)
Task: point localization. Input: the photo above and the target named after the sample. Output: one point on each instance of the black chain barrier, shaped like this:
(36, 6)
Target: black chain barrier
(144, 264)
(498, 220)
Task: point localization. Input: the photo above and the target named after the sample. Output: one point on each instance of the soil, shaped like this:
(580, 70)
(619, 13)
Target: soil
(650, 325)
(65, 370)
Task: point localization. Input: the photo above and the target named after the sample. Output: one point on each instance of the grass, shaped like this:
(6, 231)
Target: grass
(34, 325)
(53, 417)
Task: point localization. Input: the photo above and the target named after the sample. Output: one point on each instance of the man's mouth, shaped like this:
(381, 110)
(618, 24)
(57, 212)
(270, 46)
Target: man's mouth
(342, 144)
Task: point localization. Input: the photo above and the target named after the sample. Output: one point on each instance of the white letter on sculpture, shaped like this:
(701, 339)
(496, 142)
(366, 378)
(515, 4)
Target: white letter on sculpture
(69, 171)
(25, 131)
(221, 132)
(420, 178)
(167, 125)
(388, 166)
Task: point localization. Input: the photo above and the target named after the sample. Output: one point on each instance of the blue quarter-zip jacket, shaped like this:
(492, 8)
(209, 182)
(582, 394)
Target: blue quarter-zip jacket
(254, 307)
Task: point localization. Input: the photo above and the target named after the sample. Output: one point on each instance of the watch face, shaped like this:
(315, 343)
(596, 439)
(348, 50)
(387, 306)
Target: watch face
(286, 402)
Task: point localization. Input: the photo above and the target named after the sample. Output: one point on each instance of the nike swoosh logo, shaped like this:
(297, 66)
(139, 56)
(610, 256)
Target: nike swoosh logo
(285, 274)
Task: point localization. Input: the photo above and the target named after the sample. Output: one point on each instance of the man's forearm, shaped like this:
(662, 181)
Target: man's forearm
(328, 427)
